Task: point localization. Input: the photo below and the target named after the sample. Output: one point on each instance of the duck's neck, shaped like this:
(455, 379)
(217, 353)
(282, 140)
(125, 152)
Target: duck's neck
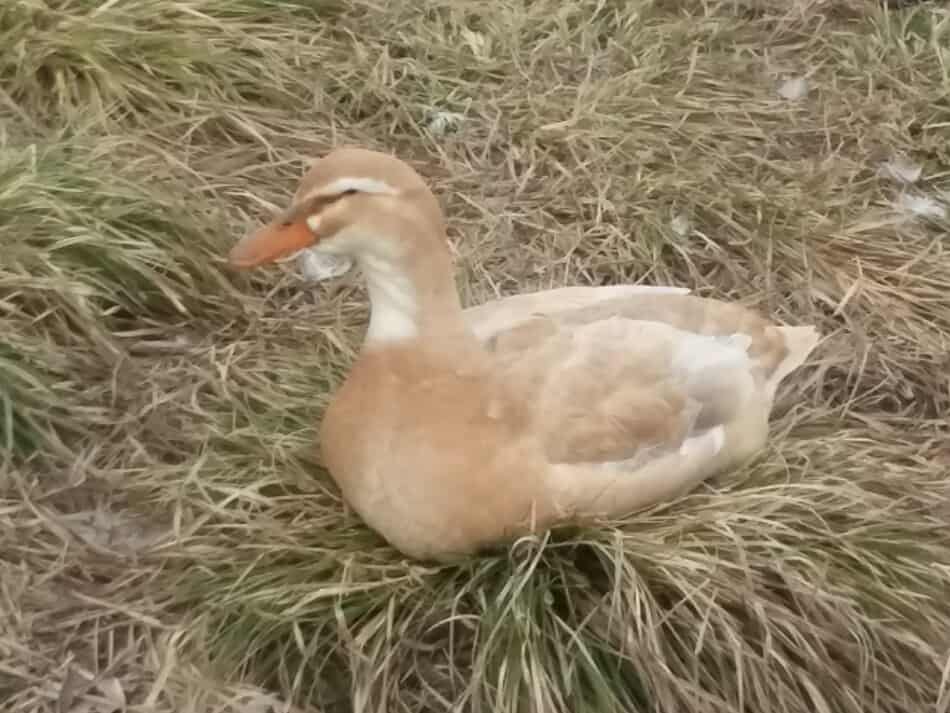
(412, 298)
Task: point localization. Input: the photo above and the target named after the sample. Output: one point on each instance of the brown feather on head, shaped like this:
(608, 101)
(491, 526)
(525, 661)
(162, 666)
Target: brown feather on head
(324, 204)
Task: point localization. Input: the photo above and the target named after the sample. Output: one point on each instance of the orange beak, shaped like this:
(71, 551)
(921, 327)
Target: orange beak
(270, 243)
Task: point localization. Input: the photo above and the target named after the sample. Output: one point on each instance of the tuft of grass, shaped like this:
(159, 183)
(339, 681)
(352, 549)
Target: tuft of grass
(21, 393)
(146, 57)
(772, 591)
(89, 234)
(168, 538)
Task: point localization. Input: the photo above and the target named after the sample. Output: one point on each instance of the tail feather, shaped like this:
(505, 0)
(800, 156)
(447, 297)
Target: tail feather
(799, 343)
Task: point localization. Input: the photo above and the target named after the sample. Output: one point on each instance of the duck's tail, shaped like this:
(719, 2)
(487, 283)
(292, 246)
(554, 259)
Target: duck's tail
(798, 343)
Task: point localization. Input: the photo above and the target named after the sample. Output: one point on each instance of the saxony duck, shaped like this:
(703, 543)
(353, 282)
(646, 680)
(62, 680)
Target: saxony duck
(458, 429)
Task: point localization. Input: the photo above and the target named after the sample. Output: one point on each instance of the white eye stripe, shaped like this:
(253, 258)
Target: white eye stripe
(341, 185)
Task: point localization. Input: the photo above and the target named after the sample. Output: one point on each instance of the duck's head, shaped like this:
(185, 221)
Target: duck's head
(353, 202)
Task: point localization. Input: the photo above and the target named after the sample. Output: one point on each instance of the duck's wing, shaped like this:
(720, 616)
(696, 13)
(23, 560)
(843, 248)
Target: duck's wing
(622, 391)
(636, 398)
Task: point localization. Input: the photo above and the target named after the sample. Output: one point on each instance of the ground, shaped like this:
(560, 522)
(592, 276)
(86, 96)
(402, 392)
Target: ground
(168, 541)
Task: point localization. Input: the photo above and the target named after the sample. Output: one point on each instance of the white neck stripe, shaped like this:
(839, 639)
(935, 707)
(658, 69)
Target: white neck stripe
(394, 308)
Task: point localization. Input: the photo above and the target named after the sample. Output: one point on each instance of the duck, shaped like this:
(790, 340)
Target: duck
(457, 430)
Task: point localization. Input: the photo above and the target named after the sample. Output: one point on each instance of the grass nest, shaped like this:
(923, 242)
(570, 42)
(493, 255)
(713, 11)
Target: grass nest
(168, 540)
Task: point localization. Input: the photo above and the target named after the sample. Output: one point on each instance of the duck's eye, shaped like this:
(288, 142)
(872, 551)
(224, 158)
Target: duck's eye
(349, 192)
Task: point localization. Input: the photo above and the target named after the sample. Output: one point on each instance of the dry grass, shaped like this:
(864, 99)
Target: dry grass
(168, 541)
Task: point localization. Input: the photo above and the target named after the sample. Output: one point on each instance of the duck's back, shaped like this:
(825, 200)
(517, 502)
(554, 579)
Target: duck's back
(522, 321)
